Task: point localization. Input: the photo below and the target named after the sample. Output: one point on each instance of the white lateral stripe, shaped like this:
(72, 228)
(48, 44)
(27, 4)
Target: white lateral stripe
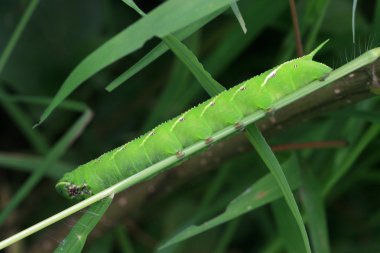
(117, 151)
(207, 106)
(146, 138)
(270, 75)
(273, 73)
(236, 92)
(177, 121)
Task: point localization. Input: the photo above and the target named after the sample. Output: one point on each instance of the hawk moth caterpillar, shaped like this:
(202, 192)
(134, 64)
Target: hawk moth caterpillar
(197, 124)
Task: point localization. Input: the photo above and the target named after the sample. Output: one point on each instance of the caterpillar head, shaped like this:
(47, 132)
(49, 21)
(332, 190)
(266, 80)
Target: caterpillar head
(73, 191)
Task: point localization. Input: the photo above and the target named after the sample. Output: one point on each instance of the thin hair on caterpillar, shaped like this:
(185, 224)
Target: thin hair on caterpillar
(347, 54)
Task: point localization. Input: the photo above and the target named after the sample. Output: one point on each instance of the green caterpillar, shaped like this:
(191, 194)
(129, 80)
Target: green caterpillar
(197, 124)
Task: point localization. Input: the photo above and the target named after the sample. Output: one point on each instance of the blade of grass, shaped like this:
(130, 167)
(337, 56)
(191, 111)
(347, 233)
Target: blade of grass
(376, 21)
(288, 227)
(260, 193)
(124, 241)
(351, 157)
(310, 15)
(30, 163)
(321, 13)
(261, 146)
(177, 16)
(69, 105)
(22, 121)
(354, 4)
(274, 246)
(17, 33)
(188, 58)
(315, 212)
(227, 236)
(239, 17)
(157, 51)
(177, 85)
(58, 150)
(75, 240)
(211, 86)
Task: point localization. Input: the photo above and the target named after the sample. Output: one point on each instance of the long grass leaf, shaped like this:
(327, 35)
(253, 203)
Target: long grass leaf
(315, 212)
(260, 193)
(23, 122)
(168, 18)
(351, 157)
(257, 140)
(287, 227)
(30, 163)
(75, 240)
(57, 150)
(157, 51)
(17, 33)
(239, 17)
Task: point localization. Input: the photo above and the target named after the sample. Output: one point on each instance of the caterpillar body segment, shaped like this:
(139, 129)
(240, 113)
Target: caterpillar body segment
(197, 124)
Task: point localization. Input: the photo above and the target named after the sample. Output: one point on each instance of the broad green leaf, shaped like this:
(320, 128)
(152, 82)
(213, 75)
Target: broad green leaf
(260, 193)
(168, 18)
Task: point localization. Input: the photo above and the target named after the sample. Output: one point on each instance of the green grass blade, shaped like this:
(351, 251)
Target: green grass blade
(75, 240)
(239, 17)
(58, 150)
(351, 157)
(211, 86)
(287, 227)
(315, 213)
(123, 239)
(354, 4)
(274, 246)
(227, 236)
(132, 4)
(177, 85)
(260, 193)
(69, 105)
(177, 16)
(17, 33)
(30, 163)
(257, 140)
(191, 61)
(23, 122)
(376, 21)
(320, 14)
(157, 51)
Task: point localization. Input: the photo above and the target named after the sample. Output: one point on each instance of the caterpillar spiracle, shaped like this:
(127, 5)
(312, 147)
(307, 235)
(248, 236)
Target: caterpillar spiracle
(196, 124)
